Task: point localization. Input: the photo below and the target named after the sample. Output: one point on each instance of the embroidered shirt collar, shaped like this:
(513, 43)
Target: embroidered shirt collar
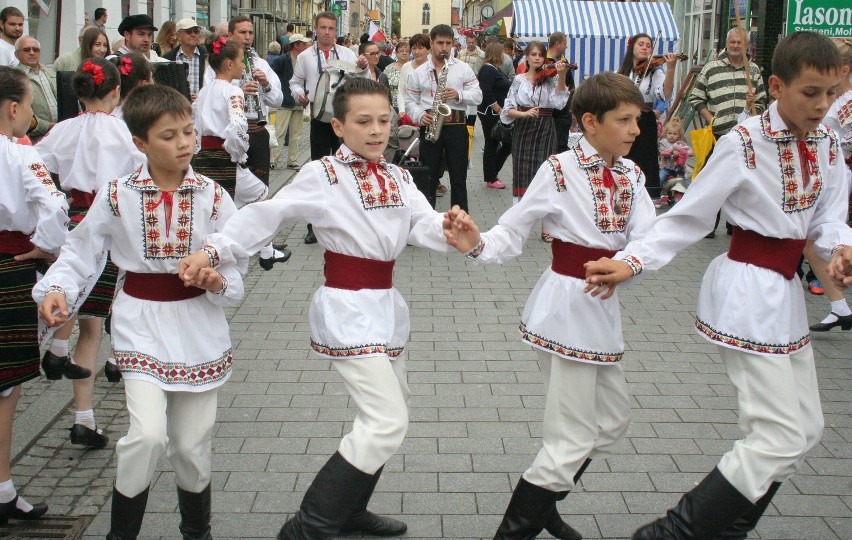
(141, 180)
(773, 127)
(588, 157)
(347, 156)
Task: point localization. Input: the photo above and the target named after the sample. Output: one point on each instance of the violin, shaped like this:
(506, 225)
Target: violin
(655, 61)
(549, 70)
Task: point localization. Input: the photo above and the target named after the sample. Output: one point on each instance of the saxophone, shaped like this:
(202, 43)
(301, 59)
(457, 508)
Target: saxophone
(439, 110)
(253, 105)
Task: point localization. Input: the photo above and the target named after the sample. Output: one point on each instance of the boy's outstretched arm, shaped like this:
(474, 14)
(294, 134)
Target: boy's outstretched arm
(460, 230)
(840, 267)
(604, 274)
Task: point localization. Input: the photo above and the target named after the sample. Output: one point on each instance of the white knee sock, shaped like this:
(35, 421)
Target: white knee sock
(7, 493)
(838, 307)
(85, 418)
(59, 347)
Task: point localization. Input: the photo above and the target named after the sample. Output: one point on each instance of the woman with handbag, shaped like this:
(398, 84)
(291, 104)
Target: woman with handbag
(529, 106)
(495, 87)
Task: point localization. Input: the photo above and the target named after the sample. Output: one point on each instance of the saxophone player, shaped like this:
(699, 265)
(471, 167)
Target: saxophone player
(442, 80)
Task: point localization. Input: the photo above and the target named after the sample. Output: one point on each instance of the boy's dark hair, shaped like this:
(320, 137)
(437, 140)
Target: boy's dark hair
(13, 84)
(146, 104)
(139, 70)
(602, 93)
(627, 63)
(804, 49)
(230, 50)
(95, 79)
(291, 27)
(10, 12)
(442, 30)
(419, 39)
(356, 86)
(232, 24)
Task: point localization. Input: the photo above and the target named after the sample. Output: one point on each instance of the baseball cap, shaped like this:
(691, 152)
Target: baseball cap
(298, 37)
(186, 24)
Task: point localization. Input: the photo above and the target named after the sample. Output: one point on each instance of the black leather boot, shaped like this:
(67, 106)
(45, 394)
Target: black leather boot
(194, 514)
(527, 513)
(330, 500)
(701, 514)
(748, 521)
(127, 514)
(365, 522)
(555, 525)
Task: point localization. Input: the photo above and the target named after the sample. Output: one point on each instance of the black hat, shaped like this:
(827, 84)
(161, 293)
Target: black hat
(131, 22)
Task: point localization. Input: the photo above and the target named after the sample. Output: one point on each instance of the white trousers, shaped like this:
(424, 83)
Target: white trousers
(380, 390)
(292, 120)
(780, 414)
(587, 411)
(177, 424)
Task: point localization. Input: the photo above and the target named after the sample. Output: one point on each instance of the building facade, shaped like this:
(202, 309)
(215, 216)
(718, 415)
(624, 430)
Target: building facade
(419, 16)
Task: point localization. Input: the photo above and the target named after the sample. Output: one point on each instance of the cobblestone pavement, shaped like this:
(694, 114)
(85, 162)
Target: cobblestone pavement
(476, 407)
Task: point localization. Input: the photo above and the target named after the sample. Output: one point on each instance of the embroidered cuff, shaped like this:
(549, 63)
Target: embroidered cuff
(212, 254)
(837, 248)
(475, 252)
(224, 288)
(634, 263)
(55, 289)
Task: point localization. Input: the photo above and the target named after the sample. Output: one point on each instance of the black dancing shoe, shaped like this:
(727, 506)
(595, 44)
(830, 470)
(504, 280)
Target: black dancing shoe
(267, 263)
(11, 510)
(310, 238)
(843, 321)
(92, 438)
(56, 366)
(113, 374)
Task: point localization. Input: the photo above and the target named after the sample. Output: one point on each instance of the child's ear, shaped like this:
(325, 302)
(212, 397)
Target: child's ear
(140, 144)
(337, 126)
(590, 123)
(775, 86)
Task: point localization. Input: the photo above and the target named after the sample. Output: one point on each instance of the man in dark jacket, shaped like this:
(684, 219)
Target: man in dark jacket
(190, 52)
(290, 116)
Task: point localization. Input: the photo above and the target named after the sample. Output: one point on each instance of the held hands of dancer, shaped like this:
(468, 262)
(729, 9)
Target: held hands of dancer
(190, 268)
(54, 309)
(460, 230)
(840, 267)
(36, 253)
(209, 280)
(604, 274)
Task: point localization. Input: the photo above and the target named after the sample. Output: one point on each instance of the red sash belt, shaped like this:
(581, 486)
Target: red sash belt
(158, 287)
(80, 199)
(780, 255)
(15, 243)
(542, 112)
(568, 258)
(355, 273)
(208, 142)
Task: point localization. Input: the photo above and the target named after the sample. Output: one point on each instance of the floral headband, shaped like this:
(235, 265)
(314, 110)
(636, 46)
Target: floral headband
(96, 71)
(218, 44)
(126, 66)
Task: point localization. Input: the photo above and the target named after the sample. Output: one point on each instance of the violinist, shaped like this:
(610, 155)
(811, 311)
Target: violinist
(655, 83)
(529, 105)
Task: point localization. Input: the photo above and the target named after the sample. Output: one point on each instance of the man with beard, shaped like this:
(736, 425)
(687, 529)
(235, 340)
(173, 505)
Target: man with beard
(12, 27)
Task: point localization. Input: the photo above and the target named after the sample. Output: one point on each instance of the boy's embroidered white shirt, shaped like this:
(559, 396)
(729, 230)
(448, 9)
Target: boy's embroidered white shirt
(755, 176)
(29, 200)
(351, 215)
(569, 198)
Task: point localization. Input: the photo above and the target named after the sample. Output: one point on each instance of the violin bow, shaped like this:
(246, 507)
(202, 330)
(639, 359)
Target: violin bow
(747, 69)
(653, 48)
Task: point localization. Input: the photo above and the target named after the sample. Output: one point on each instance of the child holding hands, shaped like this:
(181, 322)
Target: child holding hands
(592, 201)
(780, 178)
(171, 342)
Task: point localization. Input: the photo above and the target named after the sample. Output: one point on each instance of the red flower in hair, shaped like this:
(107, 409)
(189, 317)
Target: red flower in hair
(218, 44)
(630, 42)
(126, 66)
(96, 71)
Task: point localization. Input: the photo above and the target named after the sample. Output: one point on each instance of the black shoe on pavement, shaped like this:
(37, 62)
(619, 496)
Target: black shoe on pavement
(310, 238)
(113, 374)
(11, 510)
(56, 366)
(277, 256)
(92, 438)
(843, 321)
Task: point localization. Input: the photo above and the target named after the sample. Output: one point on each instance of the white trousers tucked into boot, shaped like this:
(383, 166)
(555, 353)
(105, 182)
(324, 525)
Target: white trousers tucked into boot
(380, 390)
(177, 424)
(780, 413)
(587, 411)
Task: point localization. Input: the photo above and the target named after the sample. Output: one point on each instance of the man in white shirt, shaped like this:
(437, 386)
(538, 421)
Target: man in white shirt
(138, 32)
(12, 28)
(303, 85)
(461, 90)
(43, 81)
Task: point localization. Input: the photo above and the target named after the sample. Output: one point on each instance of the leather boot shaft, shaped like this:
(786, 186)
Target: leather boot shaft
(127, 515)
(195, 514)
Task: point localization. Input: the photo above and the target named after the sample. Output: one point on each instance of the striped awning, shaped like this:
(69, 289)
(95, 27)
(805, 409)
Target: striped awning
(597, 31)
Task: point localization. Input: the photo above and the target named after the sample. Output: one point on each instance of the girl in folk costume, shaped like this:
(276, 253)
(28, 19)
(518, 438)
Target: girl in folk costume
(86, 152)
(529, 106)
(220, 122)
(656, 84)
(171, 341)
(780, 178)
(839, 118)
(33, 225)
(364, 212)
(135, 71)
(594, 202)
